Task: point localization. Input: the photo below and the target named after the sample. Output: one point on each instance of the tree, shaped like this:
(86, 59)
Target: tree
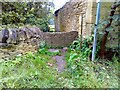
(34, 13)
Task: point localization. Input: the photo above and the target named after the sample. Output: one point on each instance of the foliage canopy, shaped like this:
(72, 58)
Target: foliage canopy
(33, 13)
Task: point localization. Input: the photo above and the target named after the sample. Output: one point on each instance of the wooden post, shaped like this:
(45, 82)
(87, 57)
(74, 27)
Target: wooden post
(81, 30)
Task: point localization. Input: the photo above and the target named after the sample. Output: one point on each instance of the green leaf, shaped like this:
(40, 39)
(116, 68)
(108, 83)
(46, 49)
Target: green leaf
(102, 33)
(105, 22)
(73, 56)
(110, 28)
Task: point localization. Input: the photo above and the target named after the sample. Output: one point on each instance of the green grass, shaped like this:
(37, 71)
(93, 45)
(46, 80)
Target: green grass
(27, 71)
(98, 74)
(33, 71)
(52, 28)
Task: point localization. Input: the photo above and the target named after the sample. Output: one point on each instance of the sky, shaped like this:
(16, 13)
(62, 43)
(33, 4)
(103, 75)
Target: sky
(59, 3)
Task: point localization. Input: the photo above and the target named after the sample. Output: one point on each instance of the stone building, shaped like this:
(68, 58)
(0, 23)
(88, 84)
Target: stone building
(77, 15)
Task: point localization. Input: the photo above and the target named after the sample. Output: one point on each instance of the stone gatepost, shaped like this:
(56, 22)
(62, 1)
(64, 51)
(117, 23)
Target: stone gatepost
(90, 16)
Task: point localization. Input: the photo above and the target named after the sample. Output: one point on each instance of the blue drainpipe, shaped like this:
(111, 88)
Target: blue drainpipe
(95, 29)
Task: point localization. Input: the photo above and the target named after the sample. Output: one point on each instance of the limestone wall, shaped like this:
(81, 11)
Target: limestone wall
(68, 18)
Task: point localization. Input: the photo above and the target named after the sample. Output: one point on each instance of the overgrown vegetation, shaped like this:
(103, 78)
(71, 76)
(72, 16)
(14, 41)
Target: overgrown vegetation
(87, 74)
(27, 71)
(39, 70)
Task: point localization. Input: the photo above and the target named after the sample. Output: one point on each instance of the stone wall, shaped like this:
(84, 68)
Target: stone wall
(28, 43)
(58, 39)
(54, 39)
(68, 18)
(34, 36)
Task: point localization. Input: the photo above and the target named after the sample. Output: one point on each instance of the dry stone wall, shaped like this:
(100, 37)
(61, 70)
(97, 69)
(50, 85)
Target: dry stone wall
(34, 36)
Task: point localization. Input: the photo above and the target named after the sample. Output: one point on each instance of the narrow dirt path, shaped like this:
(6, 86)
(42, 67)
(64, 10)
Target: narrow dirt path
(60, 59)
(60, 63)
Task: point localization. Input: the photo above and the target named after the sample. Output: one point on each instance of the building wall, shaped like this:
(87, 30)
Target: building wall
(69, 16)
